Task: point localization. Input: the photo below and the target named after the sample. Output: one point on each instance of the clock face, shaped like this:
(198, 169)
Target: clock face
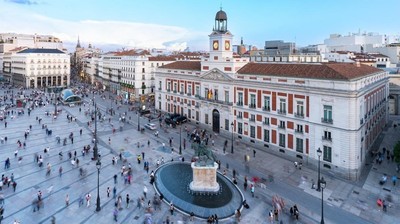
(215, 45)
(227, 45)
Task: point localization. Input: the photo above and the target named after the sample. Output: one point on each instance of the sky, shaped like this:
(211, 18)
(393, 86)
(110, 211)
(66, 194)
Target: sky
(177, 24)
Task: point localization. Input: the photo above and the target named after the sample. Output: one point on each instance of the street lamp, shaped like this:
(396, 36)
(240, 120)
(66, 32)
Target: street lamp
(323, 185)
(232, 138)
(138, 120)
(98, 166)
(95, 149)
(180, 140)
(319, 153)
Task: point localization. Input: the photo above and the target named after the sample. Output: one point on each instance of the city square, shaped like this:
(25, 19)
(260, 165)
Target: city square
(353, 201)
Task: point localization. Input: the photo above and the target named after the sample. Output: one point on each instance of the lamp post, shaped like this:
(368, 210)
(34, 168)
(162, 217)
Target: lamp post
(232, 138)
(98, 166)
(323, 185)
(319, 153)
(95, 149)
(138, 119)
(180, 140)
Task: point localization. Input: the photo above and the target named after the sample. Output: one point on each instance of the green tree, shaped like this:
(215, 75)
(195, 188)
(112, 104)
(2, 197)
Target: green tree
(396, 153)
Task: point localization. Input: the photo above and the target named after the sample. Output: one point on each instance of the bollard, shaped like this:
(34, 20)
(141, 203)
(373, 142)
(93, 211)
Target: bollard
(227, 165)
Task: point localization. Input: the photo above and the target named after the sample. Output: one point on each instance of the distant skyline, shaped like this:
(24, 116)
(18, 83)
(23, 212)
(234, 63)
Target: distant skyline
(177, 24)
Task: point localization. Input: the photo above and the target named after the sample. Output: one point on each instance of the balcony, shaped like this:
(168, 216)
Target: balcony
(197, 105)
(168, 90)
(189, 104)
(265, 108)
(326, 138)
(239, 104)
(282, 127)
(159, 97)
(265, 123)
(300, 131)
(215, 101)
(252, 119)
(326, 120)
(252, 106)
(197, 96)
(175, 91)
(299, 115)
(361, 121)
(281, 111)
(239, 116)
(181, 93)
(189, 94)
(159, 88)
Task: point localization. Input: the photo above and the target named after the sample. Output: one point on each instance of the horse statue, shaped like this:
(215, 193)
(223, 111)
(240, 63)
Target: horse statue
(204, 154)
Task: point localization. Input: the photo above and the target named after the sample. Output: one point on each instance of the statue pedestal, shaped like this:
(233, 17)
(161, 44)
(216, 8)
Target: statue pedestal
(204, 178)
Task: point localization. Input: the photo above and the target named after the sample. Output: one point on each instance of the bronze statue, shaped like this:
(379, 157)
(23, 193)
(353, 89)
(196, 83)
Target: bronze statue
(204, 154)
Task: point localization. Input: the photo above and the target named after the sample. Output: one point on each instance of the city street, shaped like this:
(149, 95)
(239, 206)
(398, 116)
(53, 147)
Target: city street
(345, 202)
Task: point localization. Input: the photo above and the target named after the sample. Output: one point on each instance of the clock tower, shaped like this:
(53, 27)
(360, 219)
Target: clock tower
(220, 39)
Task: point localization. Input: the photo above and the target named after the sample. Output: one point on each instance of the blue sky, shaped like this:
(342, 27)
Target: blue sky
(177, 24)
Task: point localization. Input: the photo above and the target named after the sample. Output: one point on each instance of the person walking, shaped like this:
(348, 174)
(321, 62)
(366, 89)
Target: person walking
(114, 192)
(88, 197)
(145, 191)
(252, 188)
(171, 208)
(14, 184)
(60, 170)
(115, 214)
(127, 200)
(67, 200)
(108, 192)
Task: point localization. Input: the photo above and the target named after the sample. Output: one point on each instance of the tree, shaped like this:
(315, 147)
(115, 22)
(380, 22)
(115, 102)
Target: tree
(396, 152)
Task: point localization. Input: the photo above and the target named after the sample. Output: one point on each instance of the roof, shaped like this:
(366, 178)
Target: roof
(41, 51)
(221, 15)
(132, 52)
(184, 65)
(162, 58)
(339, 71)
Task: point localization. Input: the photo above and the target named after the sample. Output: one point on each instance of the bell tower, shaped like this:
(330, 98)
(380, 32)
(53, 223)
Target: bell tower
(220, 38)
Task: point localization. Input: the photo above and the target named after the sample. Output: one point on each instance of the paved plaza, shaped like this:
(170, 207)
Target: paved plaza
(354, 202)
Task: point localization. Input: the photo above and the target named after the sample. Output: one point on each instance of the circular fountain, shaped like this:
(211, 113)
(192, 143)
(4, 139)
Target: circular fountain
(197, 187)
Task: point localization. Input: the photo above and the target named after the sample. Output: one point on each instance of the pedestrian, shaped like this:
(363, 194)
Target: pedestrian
(171, 208)
(88, 197)
(115, 213)
(60, 170)
(145, 191)
(109, 140)
(394, 180)
(14, 185)
(108, 192)
(245, 183)
(67, 200)
(252, 190)
(127, 200)
(254, 153)
(114, 192)
(271, 216)
(148, 143)
(80, 202)
(238, 215)
(276, 213)
(191, 216)
(384, 206)
(115, 178)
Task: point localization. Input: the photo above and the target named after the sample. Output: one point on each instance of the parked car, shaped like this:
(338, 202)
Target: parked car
(180, 119)
(145, 113)
(151, 126)
(170, 121)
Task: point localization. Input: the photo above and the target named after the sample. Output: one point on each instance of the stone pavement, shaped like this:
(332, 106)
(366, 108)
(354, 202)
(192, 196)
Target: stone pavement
(279, 175)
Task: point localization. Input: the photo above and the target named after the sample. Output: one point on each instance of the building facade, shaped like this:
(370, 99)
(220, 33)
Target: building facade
(288, 108)
(37, 68)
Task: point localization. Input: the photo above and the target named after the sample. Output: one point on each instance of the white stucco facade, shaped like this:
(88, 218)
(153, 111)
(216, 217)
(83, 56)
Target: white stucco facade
(292, 109)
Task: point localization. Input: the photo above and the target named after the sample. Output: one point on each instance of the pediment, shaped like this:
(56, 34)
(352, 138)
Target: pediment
(216, 74)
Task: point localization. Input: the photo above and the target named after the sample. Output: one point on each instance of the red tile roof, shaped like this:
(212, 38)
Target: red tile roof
(184, 65)
(340, 71)
(162, 58)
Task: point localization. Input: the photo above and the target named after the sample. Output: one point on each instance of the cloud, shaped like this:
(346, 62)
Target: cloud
(98, 33)
(23, 2)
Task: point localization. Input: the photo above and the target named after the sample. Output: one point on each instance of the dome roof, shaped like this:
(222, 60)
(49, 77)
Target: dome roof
(221, 15)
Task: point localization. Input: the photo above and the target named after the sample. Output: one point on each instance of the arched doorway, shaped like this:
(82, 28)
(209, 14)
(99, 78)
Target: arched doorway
(215, 120)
